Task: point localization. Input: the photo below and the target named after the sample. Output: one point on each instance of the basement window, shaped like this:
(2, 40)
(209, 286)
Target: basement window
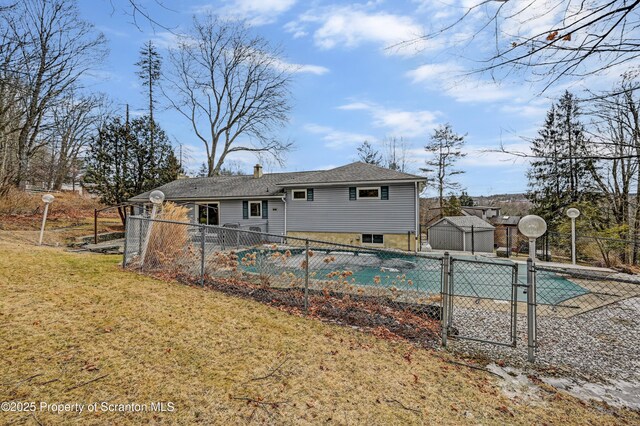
(372, 239)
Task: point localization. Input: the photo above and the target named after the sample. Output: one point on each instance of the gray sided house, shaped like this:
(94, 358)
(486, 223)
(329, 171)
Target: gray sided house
(357, 204)
(461, 233)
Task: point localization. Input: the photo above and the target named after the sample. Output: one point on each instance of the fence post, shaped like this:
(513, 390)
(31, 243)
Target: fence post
(306, 277)
(444, 313)
(95, 226)
(531, 311)
(203, 233)
(473, 240)
(126, 237)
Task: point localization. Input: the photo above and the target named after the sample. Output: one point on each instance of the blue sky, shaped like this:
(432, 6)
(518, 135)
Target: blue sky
(351, 86)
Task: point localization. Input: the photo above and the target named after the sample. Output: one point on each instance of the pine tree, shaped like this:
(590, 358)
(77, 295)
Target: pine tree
(465, 199)
(445, 147)
(452, 206)
(149, 65)
(560, 174)
(368, 154)
(121, 163)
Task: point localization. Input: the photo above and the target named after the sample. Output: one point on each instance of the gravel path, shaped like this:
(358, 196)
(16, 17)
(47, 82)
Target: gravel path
(601, 345)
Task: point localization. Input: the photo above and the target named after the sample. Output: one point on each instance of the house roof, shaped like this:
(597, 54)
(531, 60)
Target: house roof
(481, 207)
(464, 223)
(357, 172)
(506, 220)
(222, 187)
(272, 184)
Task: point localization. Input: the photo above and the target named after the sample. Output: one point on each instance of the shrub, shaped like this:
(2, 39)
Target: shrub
(169, 244)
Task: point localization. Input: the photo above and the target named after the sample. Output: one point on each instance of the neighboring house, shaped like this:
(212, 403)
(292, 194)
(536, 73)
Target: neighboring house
(506, 233)
(358, 204)
(461, 233)
(486, 213)
(483, 212)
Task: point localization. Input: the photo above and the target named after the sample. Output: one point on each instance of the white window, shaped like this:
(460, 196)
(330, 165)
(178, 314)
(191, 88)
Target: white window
(373, 193)
(255, 208)
(299, 194)
(372, 239)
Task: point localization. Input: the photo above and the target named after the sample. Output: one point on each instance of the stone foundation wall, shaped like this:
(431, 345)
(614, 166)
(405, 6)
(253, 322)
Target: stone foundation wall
(392, 241)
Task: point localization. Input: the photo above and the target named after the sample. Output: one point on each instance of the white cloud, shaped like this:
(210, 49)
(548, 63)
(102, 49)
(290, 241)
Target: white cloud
(260, 12)
(397, 122)
(300, 68)
(354, 25)
(450, 78)
(482, 156)
(336, 139)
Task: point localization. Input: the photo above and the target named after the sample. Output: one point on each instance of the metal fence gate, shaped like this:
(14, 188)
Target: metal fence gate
(481, 299)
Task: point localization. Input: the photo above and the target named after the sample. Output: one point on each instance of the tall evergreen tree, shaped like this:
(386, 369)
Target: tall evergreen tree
(149, 67)
(120, 161)
(560, 175)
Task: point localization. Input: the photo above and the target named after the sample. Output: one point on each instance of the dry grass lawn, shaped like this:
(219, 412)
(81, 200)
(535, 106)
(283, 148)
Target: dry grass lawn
(77, 329)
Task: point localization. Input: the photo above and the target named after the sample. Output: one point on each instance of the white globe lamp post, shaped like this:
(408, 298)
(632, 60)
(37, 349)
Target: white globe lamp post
(532, 227)
(573, 214)
(157, 198)
(46, 199)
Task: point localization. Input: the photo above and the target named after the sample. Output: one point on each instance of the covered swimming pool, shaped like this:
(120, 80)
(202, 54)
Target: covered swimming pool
(399, 272)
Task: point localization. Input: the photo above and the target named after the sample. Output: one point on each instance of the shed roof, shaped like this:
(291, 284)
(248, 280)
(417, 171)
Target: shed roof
(464, 223)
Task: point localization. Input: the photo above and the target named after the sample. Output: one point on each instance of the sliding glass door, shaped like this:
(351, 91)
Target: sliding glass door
(209, 214)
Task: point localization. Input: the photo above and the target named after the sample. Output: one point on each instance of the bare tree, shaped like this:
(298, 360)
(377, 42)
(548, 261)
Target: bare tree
(395, 153)
(54, 48)
(74, 123)
(232, 87)
(445, 147)
(550, 40)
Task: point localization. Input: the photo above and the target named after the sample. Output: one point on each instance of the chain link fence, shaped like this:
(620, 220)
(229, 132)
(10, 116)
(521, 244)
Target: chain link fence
(584, 319)
(590, 320)
(361, 286)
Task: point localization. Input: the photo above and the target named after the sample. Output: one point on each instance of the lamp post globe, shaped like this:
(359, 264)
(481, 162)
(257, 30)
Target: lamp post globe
(573, 213)
(532, 226)
(48, 198)
(156, 197)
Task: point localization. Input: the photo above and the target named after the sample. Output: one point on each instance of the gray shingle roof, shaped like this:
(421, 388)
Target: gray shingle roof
(222, 187)
(465, 222)
(354, 172)
(506, 220)
(271, 184)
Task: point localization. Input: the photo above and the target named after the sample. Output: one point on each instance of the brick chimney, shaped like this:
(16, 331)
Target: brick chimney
(257, 171)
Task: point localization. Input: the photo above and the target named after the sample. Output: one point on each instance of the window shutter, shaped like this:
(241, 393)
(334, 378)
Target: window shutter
(245, 210)
(265, 209)
(352, 193)
(310, 194)
(384, 192)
